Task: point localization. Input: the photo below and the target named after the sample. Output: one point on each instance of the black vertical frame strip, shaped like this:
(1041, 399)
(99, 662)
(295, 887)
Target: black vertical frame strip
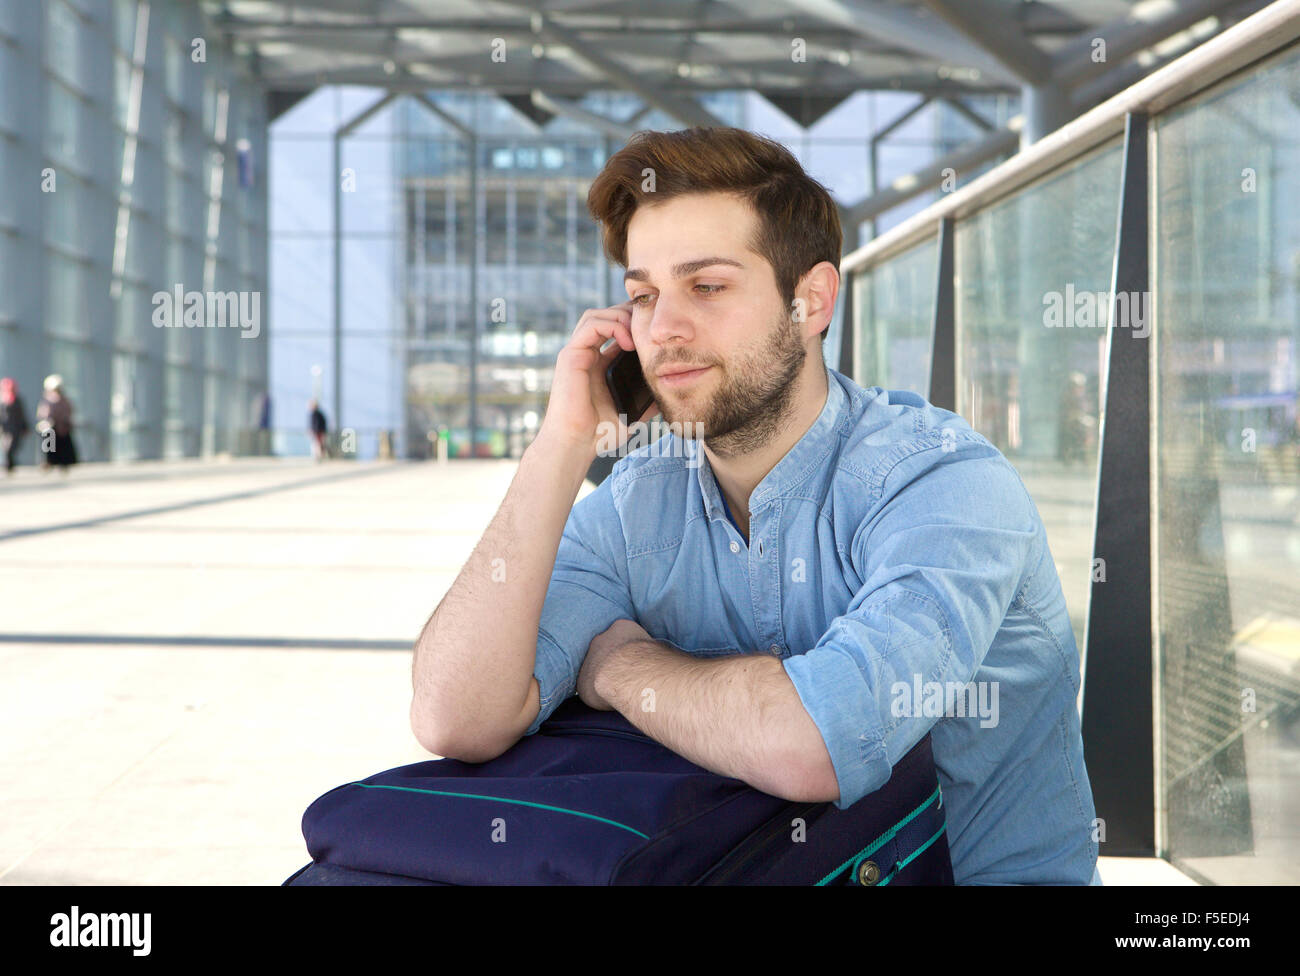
(1118, 736)
(943, 345)
(848, 326)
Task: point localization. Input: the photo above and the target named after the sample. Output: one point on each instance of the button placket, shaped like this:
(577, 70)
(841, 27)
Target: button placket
(766, 581)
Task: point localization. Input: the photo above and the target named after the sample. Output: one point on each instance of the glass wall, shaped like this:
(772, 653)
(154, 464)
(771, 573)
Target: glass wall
(133, 134)
(895, 302)
(1033, 269)
(1032, 308)
(1226, 213)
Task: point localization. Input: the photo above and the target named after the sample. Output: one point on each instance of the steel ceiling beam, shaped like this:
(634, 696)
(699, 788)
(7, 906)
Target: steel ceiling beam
(967, 112)
(962, 159)
(1010, 60)
(443, 114)
(988, 25)
(1096, 90)
(681, 107)
(250, 29)
(1073, 63)
(906, 28)
(361, 118)
(570, 110)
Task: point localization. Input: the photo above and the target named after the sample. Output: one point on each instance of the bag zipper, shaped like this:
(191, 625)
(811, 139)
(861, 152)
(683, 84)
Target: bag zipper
(638, 736)
(730, 866)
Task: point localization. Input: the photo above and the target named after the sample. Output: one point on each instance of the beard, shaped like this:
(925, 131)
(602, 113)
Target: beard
(753, 400)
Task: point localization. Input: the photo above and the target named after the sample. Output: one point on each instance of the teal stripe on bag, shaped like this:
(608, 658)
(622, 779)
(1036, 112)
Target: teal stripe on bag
(911, 857)
(502, 799)
(884, 838)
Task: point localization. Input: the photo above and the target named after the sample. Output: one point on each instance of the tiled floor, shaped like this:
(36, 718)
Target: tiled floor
(191, 655)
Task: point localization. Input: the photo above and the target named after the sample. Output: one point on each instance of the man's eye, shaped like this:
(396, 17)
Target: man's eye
(713, 290)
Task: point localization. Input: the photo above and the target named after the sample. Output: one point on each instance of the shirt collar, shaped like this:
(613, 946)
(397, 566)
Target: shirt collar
(808, 453)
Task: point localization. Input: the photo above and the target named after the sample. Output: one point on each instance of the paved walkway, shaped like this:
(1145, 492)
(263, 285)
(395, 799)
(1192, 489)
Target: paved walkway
(194, 651)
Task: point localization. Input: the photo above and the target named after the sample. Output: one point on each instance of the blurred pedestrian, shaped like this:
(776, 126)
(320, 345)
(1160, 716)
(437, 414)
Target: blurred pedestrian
(264, 423)
(316, 423)
(13, 422)
(54, 424)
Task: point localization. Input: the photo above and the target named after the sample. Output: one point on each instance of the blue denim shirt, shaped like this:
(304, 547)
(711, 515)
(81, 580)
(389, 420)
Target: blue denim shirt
(899, 569)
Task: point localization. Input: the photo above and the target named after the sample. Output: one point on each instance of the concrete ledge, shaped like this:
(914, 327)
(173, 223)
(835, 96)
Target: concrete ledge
(1150, 872)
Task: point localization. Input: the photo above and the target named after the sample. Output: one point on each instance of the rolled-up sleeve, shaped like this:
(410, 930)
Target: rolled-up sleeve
(588, 591)
(940, 559)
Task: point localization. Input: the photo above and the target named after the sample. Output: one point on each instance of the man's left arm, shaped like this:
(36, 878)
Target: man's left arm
(940, 564)
(737, 716)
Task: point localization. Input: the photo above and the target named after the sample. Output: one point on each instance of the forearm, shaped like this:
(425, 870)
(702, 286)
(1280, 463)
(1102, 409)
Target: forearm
(737, 716)
(474, 659)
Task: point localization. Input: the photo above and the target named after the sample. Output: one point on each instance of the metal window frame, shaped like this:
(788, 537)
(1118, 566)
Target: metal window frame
(1118, 715)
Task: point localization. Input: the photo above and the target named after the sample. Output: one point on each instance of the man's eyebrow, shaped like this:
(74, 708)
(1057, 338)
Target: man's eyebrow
(681, 270)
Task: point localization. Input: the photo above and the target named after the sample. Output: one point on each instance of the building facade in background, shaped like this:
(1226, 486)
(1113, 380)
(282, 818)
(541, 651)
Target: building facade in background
(133, 226)
(411, 276)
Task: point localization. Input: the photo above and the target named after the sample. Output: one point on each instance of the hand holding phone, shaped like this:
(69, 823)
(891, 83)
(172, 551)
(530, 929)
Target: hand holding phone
(627, 385)
(594, 382)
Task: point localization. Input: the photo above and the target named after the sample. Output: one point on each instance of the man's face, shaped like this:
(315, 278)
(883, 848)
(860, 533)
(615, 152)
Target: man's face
(702, 299)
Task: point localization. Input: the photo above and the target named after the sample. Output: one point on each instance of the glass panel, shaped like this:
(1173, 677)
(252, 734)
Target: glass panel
(498, 197)
(182, 406)
(124, 13)
(1227, 225)
(123, 407)
(301, 200)
(67, 311)
(62, 122)
(122, 89)
(368, 187)
(62, 40)
(528, 222)
(893, 313)
(1033, 277)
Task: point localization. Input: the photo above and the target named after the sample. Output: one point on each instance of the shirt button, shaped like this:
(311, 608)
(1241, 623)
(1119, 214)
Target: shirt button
(735, 546)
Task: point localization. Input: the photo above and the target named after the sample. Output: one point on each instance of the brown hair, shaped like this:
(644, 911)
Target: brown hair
(798, 221)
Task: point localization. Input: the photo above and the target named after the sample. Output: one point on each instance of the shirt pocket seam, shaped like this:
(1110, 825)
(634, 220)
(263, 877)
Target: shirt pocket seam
(701, 651)
(651, 548)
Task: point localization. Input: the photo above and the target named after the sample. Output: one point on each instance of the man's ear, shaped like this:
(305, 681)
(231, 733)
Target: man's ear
(816, 294)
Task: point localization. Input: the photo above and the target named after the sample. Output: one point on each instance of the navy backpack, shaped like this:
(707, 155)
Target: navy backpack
(590, 799)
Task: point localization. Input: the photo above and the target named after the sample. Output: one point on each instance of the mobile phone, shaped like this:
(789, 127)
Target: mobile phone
(627, 385)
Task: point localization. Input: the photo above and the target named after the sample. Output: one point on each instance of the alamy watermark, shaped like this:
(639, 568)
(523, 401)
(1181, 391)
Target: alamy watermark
(946, 699)
(179, 308)
(1080, 309)
(651, 436)
(74, 928)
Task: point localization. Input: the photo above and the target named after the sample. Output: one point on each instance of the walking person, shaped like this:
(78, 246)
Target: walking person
(263, 411)
(316, 423)
(13, 422)
(54, 424)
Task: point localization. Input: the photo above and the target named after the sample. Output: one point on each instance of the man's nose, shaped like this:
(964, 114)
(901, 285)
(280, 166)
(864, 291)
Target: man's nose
(670, 320)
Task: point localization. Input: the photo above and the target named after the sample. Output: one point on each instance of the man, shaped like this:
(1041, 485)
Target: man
(776, 599)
